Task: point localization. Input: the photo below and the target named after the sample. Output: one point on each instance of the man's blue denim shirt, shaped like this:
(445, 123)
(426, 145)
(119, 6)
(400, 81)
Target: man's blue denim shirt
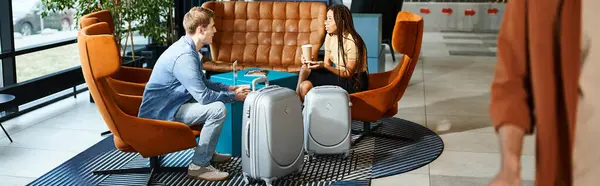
(176, 78)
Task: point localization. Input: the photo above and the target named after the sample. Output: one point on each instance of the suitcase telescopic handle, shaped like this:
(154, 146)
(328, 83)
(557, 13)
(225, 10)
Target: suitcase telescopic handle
(234, 67)
(247, 141)
(260, 80)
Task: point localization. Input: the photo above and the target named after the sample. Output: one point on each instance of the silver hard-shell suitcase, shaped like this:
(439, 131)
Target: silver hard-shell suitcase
(273, 133)
(327, 121)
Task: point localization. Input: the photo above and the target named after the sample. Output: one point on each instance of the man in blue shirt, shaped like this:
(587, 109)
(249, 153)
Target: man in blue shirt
(179, 91)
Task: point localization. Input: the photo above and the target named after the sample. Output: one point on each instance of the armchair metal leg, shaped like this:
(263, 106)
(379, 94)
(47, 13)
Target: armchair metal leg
(5, 132)
(389, 44)
(153, 169)
(123, 171)
(105, 133)
(368, 130)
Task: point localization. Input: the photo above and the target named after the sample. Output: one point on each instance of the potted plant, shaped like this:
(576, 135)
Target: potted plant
(156, 22)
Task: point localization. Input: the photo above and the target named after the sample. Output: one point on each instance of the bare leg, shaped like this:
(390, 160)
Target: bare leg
(302, 76)
(305, 86)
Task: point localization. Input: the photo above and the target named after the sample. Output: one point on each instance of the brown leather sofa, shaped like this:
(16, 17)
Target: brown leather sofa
(266, 35)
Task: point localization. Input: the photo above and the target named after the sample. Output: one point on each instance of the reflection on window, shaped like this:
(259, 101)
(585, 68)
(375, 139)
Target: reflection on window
(31, 29)
(45, 62)
(1, 75)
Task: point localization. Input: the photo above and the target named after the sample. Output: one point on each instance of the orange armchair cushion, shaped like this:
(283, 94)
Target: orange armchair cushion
(97, 17)
(133, 74)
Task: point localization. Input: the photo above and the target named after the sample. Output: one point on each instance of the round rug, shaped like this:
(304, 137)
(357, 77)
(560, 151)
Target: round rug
(371, 158)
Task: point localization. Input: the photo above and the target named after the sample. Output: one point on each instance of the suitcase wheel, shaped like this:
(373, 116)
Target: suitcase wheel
(346, 155)
(269, 181)
(248, 180)
(311, 155)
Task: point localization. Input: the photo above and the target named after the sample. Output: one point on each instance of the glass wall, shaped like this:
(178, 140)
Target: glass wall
(45, 62)
(1, 73)
(30, 29)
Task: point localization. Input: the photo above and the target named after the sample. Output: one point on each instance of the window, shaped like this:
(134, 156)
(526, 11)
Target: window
(30, 29)
(43, 58)
(45, 62)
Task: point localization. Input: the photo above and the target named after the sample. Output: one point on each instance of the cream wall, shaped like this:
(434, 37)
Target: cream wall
(586, 156)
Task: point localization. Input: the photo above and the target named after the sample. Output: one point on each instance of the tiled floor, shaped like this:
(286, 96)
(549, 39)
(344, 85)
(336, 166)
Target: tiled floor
(448, 94)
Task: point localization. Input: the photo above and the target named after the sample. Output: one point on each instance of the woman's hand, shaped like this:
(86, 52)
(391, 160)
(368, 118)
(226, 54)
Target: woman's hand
(328, 63)
(312, 64)
(305, 61)
(316, 65)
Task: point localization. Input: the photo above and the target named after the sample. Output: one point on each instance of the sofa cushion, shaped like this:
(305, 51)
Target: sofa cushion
(264, 34)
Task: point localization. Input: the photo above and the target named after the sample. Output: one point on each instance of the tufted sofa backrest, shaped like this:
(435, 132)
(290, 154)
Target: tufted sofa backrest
(269, 33)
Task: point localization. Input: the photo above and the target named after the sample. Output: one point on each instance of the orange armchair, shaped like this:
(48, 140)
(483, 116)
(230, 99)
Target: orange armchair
(127, 80)
(386, 88)
(150, 138)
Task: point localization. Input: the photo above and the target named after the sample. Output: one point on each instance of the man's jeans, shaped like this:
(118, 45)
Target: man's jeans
(212, 116)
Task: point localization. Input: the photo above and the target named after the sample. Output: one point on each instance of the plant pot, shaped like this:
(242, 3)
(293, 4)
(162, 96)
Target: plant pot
(153, 52)
(139, 61)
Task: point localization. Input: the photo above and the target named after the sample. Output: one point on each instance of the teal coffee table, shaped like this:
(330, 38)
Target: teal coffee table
(230, 141)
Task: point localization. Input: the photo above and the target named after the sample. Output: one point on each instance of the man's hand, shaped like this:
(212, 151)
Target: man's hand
(234, 88)
(241, 93)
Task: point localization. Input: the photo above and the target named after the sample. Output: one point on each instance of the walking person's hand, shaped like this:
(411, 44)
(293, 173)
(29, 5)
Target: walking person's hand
(506, 178)
(509, 175)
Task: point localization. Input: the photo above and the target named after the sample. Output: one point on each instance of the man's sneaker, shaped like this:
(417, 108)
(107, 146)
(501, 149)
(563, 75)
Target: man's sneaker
(220, 158)
(206, 173)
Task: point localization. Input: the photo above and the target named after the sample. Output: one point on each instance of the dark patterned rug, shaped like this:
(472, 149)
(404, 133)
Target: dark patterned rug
(369, 159)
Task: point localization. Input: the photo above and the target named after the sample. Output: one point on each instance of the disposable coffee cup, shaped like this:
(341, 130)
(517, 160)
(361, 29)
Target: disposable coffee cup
(307, 52)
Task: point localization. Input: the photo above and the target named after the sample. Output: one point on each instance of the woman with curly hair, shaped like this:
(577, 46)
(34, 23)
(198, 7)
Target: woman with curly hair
(345, 62)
